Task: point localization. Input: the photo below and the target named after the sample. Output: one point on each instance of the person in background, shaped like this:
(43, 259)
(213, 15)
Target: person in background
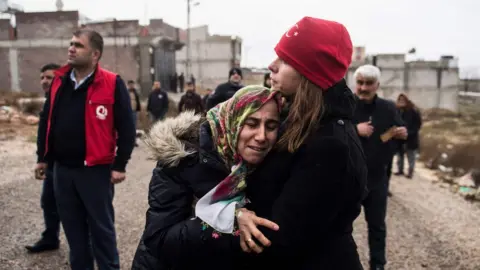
(157, 105)
(206, 96)
(89, 138)
(191, 101)
(226, 90)
(267, 81)
(173, 83)
(413, 120)
(376, 118)
(181, 82)
(135, 102)
(50, 236)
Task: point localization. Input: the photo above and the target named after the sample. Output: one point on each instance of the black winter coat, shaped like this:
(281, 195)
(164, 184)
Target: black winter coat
(157, 103)
(413, 122)
(314, 194)
(222, 93)
(383, 114)
(183, 174)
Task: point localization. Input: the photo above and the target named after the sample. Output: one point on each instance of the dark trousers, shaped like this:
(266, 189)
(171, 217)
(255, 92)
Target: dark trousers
(411, 158)
(84, 198)
(49, 206)
(375, 206)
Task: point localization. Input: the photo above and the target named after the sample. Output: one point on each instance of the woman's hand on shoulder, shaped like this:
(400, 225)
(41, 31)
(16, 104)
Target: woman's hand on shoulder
(248, 223)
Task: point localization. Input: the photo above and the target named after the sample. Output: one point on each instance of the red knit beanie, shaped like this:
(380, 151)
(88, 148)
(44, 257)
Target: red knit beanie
(318, 49)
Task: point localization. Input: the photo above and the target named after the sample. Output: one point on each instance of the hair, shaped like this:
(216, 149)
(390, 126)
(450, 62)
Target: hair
(369, 72)
(130, 81)
(95, 39)
(305, 111)
(50, 66)
(410, 104)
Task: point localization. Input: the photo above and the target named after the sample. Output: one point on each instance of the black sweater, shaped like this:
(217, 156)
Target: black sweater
(67, 142)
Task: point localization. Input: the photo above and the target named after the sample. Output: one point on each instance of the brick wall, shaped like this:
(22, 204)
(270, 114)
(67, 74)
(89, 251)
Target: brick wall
(44, 25)
(116, 28)
(5, 29)
(30, 60)
(5, 73)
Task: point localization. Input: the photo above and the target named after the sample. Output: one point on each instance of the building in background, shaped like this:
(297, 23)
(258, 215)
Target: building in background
(212, 56)
(135, 52)
(430, 84)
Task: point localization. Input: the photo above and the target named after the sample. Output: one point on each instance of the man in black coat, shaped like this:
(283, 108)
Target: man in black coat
(191, 101)
(226, 90)
(378, 125)
(157, 105)
(49, 240)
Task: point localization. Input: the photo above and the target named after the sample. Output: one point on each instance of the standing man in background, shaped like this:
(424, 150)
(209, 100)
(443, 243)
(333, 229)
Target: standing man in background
(191, 101)
(226, 90)
(379, 126)
(135, 102)
(50, 237)
(181, 82)
(89, 138)
(157, 105)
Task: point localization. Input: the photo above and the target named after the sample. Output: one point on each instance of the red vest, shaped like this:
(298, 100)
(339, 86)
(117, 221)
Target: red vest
(100, 133)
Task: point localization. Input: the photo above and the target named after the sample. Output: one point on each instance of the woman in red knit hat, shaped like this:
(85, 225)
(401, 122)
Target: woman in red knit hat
(313, 184)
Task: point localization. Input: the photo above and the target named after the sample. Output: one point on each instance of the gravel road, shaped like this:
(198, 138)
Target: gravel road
(428, 227)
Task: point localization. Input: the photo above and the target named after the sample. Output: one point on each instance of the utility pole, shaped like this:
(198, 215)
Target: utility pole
(188, 61)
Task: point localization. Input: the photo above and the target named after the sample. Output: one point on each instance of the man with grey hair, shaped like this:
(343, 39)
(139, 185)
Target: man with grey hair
(378, 126)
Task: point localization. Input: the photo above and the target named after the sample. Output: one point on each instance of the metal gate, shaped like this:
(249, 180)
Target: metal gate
(164, 64)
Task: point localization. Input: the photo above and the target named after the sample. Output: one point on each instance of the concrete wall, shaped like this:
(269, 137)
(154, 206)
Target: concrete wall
(5, 81)
(5, 29)
(211, 57)
(422, 81)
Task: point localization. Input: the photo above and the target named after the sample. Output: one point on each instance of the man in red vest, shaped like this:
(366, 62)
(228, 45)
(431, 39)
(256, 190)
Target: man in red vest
(89, 138)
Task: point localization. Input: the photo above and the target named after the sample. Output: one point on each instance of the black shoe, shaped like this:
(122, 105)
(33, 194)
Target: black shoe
(398, 173)
(389, 194)
(43, 245)
(410, 176)
(378, 267)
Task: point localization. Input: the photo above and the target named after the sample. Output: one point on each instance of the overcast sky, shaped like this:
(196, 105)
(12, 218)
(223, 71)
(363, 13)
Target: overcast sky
(434, 27)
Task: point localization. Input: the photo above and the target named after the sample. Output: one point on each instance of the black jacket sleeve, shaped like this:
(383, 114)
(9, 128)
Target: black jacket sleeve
(181, 103)
(42, 130)
(149, 102)
(124, 125)
(414, 127)
(216, 97)
(311, 199)
(165, 102)
(171, 235)
(137, 100)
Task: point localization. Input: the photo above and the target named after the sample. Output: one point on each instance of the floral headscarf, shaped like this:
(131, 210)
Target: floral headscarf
(226, 121)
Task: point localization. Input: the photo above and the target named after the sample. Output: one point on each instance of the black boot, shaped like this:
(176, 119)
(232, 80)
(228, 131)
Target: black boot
(43, 245)
(398, 173)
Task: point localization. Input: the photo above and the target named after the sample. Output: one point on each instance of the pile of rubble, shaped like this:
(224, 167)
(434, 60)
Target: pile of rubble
(12, 115)
(457, 180)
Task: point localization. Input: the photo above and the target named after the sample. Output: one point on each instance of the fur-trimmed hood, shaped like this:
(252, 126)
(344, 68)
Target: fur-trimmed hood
(172, 139)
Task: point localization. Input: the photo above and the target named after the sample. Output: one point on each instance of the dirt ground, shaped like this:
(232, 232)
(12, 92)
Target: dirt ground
(428, 227)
